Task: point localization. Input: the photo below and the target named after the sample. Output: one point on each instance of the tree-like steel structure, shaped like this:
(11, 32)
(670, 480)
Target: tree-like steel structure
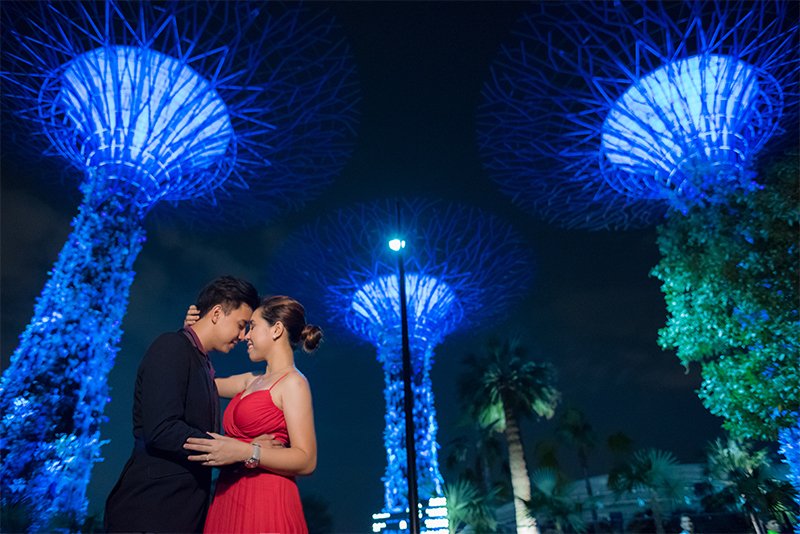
(463, 268)
(608, 114)
(613, 114)
(201, 102)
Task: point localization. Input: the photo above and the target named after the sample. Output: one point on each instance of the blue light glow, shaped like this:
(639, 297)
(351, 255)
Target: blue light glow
(611, 114)
(150, 112)
(677, 123)
(433, 310)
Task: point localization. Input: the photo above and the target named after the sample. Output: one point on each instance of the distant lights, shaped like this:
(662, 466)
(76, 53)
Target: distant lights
(397, 244)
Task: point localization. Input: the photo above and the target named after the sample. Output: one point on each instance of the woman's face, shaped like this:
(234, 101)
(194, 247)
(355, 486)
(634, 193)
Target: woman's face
(259, 337)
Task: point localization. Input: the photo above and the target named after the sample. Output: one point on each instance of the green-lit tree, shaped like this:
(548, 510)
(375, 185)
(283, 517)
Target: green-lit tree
(575, 429)
(649, 470)
(469, 506)
(730, 279)
(503, 385)
(550, 500)
(748, 483)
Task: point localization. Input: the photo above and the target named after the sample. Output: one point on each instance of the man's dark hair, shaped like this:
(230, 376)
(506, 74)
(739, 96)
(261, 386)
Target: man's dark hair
(228, 291)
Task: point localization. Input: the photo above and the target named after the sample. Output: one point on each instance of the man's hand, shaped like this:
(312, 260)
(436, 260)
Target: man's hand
(192, 315)
(221, 450)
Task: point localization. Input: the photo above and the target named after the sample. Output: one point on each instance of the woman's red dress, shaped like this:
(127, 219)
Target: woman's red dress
(255, 500)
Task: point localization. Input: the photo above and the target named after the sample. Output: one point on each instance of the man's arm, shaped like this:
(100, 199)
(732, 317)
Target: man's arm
(164, 375)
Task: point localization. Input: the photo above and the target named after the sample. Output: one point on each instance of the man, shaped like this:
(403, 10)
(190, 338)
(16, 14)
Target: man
(687, 527)
(175, 398)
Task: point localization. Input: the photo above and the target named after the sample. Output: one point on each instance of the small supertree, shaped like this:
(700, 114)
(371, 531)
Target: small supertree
(463, 268)
(180, 101)
(608, 114)
(613, 114)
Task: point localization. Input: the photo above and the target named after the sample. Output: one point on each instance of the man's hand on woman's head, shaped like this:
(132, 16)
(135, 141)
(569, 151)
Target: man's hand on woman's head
(192, 315)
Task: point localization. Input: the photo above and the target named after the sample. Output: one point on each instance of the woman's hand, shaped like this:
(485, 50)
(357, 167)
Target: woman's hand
(192, 315)
(221, 450)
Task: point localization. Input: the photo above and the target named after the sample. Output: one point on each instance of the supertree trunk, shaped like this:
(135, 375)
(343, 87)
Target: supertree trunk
(429, 479)
(54, 391)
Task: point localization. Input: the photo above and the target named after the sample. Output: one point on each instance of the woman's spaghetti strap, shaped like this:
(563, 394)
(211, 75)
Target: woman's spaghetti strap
(278, 380)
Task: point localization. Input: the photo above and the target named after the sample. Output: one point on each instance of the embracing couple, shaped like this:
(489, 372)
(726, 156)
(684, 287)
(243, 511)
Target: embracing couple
(269, 423)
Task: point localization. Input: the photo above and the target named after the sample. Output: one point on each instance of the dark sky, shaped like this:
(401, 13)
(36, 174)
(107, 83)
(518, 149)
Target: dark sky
(593, 311)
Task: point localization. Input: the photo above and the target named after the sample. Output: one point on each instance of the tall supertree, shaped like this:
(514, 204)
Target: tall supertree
(608, 114)
(623, 114)
(462, 268)
(207, 103)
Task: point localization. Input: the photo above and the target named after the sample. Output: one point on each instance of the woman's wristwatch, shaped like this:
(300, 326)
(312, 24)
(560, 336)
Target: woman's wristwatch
(255, 459)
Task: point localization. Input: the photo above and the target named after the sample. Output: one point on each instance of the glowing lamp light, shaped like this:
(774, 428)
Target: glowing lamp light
(150, 111)
(397, 244)
(677, 121)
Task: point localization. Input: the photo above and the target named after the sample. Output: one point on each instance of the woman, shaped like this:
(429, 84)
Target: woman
(258, 492)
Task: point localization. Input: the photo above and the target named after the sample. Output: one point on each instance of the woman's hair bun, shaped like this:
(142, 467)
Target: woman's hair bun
(311, 337)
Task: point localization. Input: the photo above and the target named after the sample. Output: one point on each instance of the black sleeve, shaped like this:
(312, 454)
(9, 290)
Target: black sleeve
(164, 375)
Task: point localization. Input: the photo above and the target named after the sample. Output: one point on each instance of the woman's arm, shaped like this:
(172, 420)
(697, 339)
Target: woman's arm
(299, 459)
(230, 386)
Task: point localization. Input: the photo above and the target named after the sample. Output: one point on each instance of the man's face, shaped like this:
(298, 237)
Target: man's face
(686, 524)
(230, 328)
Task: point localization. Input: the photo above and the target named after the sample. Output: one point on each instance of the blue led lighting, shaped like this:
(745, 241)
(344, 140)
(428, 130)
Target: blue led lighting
(149, 112)
(677, 123)
(463, 268)
(433, 310)
(150, 102)
(611, 114)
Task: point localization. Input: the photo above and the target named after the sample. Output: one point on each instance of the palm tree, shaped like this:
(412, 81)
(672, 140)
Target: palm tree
(502, 385)
(575, 429)
(550, 498)
(476, 453)
(651, 470)
(467, 505)
(748, 482)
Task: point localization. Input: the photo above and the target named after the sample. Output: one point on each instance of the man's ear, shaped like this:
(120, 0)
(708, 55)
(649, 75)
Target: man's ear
(215, 313)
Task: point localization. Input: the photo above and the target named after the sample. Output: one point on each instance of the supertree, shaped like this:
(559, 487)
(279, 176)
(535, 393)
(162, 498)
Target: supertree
(624, 114)
(463, 268)
(608, 114)
(207, 103)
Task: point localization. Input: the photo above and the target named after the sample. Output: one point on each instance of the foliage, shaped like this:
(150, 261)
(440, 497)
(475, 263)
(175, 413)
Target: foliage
(469, 505)
(748, 481)
(503, 377)
(550, 500)
(573, 427)
(730, 279)
(318, 515)
(478, 454)
(499, 387)
(651, 470)
(789, 439)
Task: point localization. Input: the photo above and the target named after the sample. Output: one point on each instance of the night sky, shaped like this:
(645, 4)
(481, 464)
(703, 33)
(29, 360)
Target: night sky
(593, 310)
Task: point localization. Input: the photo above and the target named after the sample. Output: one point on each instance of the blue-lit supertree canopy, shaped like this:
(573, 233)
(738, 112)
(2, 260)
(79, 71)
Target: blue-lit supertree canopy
(463, 268)
(609, 114)
(194, 102)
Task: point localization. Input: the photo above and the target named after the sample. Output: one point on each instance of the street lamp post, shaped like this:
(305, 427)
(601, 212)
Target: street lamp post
(408, 399)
